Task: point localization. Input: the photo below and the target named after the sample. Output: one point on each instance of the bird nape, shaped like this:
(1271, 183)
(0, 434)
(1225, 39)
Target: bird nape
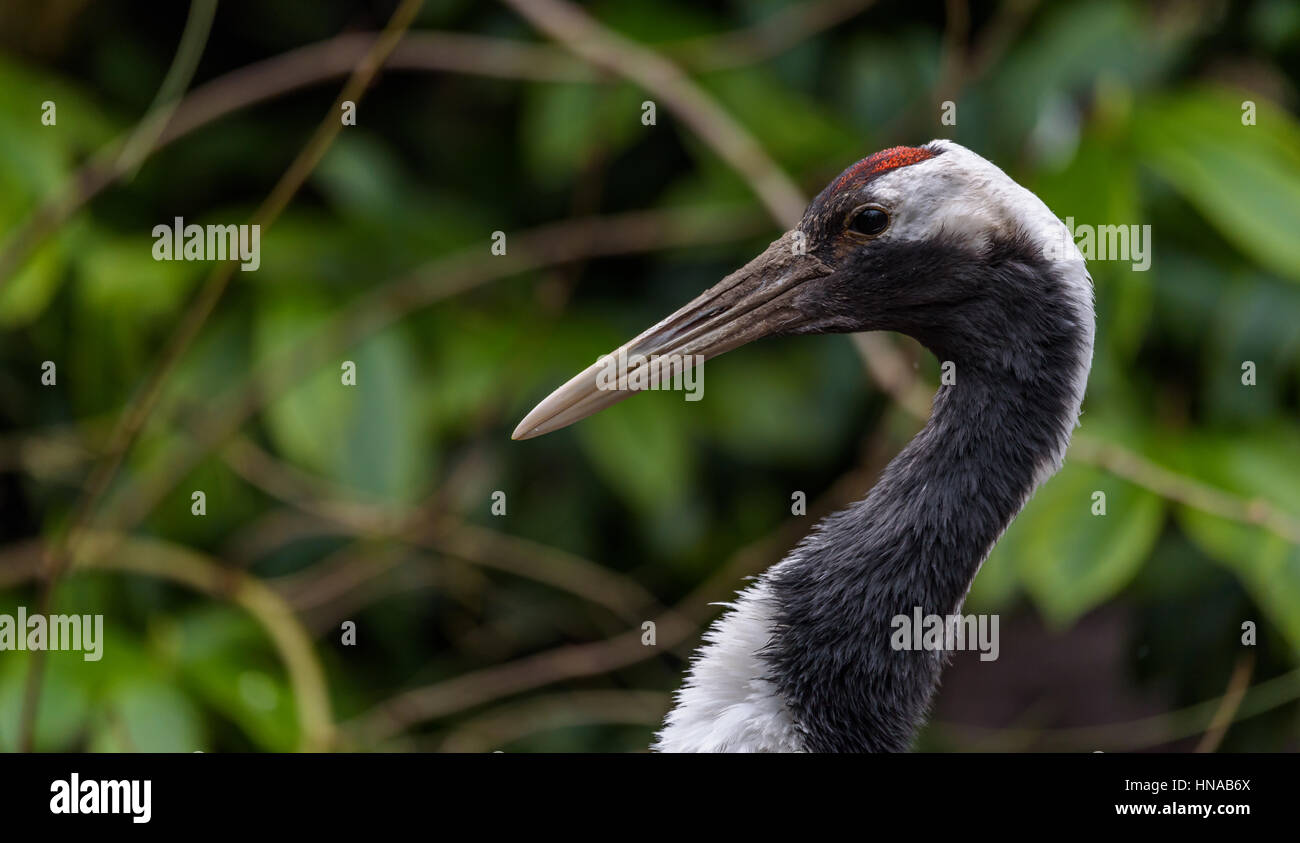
(936, 243)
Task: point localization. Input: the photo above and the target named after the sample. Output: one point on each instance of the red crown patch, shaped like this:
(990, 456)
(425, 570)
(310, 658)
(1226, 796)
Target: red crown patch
(885, 159)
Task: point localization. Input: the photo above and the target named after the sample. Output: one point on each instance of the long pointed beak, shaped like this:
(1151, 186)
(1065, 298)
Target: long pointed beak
(755, 301)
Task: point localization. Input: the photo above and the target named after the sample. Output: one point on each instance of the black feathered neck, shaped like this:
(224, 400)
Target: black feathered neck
(920, 535)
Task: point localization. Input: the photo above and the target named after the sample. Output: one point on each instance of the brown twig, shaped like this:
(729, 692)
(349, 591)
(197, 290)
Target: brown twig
(962, 67)
(1173, 486)
(193, 39)
(997, 37)
(157, 558)
(442, 534)
(606, 49)
(953, 59)
(503, 724)
(477, 687)
(1133, 734)
(769, 37)
(1238, 684)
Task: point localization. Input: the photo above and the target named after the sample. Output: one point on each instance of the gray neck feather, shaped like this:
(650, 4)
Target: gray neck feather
(920, 536)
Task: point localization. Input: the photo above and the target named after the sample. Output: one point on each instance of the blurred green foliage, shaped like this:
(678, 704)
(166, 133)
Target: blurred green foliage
(1113, 112)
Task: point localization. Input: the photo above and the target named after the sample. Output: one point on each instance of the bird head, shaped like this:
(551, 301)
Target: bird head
(930, 241)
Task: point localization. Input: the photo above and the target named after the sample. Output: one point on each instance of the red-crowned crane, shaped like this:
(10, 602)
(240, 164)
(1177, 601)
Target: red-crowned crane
(937, 243)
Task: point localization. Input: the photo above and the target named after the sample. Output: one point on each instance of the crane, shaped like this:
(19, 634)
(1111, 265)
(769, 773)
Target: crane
(937, 243)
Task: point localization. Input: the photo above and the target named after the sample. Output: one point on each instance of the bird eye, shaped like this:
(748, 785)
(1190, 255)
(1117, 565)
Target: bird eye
(870, 221)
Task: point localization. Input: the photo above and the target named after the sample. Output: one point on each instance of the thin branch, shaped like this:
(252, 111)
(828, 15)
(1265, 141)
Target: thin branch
(193, 39)
(610, 51)
(158, 558)
(891, 372)
(419, 526)
(953, 60)
(1133, 734)
(960, 68)
(479, 686)
(503, 724)
(1173, 486)
(1238, 684)
(771, 36)
(338, 573)
(997, 37)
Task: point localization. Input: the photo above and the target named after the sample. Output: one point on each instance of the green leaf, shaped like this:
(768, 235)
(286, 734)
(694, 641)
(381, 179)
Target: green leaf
(31, 152)
(1071, 560)
(1260, 467)
(1267, 564)
(120, 279)
(564, 125)
(65, 699)
(785, 403)
(146, 715)
(36, 162)
(1255, 320)
(224, 655)
(470, 353)
(1245, 180)
(25, 295)
(996, 585)
(368, 437)
(386, 452)
(361, 177)
(882, 77)
(642, 451)
(796, 132)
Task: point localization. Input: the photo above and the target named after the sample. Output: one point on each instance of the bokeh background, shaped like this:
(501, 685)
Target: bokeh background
(372, 504)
